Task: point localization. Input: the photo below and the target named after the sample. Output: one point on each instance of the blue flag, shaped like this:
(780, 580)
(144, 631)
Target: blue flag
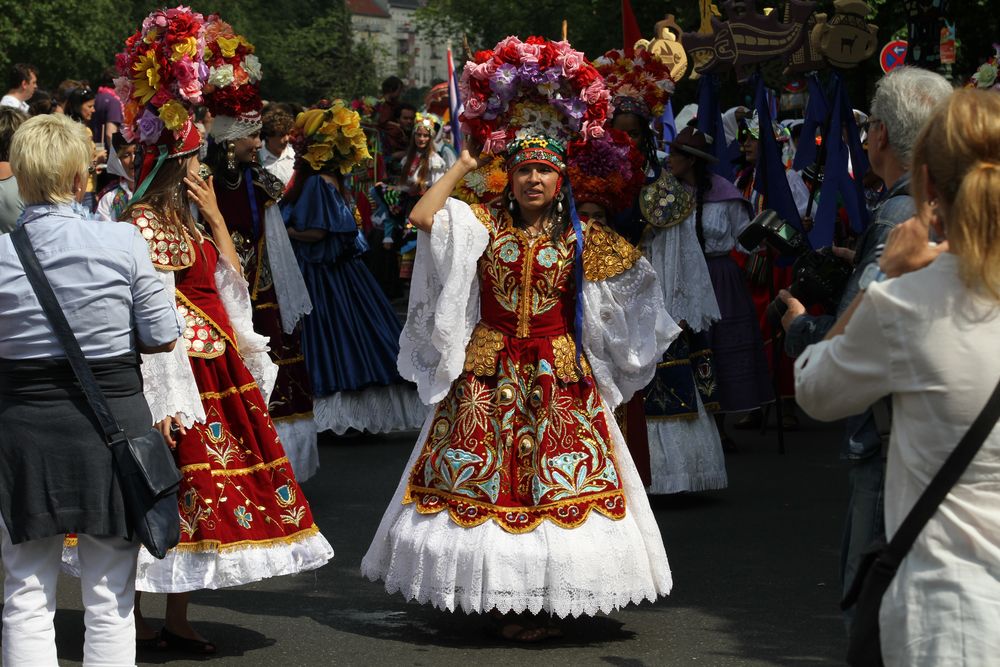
(669, 126)
(769, 176)
(839, 188)
(817, 113)
(710, 123)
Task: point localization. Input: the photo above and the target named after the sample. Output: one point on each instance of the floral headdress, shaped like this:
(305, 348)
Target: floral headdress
(641, 84)
(483, 185)
(162, 72)
(986, 76)
(535, 87)
(232, 89)
(330, 137)
(429, 121)
(609, 171)
(781, 134)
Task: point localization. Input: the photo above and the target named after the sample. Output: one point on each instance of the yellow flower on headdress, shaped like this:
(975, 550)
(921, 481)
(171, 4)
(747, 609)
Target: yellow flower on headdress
(318, 154)
(186, 47)
(152, 36)
(173, 114)
(146, 79)
(228, 46)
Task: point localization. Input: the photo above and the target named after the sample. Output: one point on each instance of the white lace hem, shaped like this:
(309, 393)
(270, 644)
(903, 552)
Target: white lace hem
(686, 455)
(298, 438)
(599, 566)
(185, 571)
(396, 407)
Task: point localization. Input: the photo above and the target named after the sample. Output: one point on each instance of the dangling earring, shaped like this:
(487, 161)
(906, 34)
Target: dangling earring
(510, 203)
(230, 156)
(559, 203)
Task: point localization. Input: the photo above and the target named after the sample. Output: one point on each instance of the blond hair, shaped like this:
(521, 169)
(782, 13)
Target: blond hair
(46, 154)
(960, 149)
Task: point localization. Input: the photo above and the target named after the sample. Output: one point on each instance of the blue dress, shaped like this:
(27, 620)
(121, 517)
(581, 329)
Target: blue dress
(351, 338)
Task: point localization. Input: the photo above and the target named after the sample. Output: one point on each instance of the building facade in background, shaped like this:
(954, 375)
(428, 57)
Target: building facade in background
(390, 27)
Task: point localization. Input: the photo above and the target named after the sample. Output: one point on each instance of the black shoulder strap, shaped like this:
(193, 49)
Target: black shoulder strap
(946, 478)
(57, 319)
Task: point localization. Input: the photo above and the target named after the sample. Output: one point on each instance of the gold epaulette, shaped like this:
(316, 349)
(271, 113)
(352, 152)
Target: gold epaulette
(605, 253)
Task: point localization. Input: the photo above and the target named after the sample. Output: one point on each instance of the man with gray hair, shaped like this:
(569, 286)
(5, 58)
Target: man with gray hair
(903, 101)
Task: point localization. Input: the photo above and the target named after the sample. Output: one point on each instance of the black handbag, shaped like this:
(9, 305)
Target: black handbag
(880, 562)
(144, 466)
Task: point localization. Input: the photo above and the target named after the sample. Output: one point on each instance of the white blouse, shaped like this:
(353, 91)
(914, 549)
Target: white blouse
(722, 223)
(931, 344)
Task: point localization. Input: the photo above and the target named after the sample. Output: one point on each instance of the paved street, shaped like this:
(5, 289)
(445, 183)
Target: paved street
(755, 579)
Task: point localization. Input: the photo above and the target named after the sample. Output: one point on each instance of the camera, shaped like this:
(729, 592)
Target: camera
(818, 276)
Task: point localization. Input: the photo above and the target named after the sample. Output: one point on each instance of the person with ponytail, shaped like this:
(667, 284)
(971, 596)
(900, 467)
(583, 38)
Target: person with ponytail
(718, 215)
(924, 333)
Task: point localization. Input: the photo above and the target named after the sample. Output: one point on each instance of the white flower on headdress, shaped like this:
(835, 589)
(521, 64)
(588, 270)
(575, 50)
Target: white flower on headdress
(221, 76)
(252, 66)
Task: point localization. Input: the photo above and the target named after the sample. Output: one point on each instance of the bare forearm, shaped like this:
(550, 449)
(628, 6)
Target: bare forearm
(224, 242)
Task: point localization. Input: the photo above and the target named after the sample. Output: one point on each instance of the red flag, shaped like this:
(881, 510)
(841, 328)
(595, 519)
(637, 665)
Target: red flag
(630, 28)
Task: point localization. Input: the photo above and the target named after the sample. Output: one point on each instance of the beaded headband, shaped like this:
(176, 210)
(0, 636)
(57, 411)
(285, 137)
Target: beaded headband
(537, 149)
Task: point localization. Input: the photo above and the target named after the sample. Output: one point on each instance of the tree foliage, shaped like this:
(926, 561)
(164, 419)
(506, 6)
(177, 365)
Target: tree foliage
(306, 46)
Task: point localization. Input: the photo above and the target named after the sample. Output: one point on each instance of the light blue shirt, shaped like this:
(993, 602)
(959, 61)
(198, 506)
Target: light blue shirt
(104, 281)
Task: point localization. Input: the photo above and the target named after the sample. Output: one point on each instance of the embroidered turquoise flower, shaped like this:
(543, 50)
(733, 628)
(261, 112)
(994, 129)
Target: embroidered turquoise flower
(243, 517)
(509, 252)
(547, 257)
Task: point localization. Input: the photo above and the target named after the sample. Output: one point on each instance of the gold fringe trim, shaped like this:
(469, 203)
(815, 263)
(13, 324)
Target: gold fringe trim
(235, 472)
(297, 415)
(495, 512)
(229, 392)
(287, 362)
(217, 545)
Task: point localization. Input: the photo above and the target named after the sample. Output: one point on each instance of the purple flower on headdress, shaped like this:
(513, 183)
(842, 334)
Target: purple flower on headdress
(504, 82)
(573, 108)
(494, 106)
(530, 73)
(150, 127)
(550, 79)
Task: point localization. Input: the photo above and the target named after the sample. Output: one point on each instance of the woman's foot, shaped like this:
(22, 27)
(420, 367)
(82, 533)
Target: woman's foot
(187, 641)
(521, 628)
(750, 420)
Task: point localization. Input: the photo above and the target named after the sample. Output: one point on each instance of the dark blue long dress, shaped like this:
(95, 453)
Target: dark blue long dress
(351, 338)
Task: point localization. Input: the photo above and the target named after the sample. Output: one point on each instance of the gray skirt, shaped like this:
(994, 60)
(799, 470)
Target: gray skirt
(56, 473)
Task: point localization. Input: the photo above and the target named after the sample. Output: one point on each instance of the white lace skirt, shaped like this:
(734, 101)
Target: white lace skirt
(298, 438)
(597, 567)
(395, 407)
(686, 454)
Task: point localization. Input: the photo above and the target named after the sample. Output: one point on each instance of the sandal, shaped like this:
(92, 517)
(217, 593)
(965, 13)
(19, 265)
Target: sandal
(154, 643)
(187, 645)
(751, 420)
(520, 631)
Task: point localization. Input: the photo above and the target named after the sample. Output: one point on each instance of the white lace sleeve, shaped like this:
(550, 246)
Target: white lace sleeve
(289, 287)
(626, 330)
(235, 296)
(167, 379)
(444, 301)
(684, 281)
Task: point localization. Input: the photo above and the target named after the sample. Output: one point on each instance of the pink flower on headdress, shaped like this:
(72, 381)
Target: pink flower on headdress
(496, 142)
(474, 107)
(592, 130)
(483, 70)
(162, 96)
(123, 88)
(529, 53)
(595, 93)
(570, 62)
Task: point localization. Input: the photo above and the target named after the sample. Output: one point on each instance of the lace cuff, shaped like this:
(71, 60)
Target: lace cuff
(444, 301)
(289, 287)
(253, 347)
(620, 313)
(168, 381)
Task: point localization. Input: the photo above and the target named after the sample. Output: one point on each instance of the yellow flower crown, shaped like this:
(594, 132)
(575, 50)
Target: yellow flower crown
(330, 135)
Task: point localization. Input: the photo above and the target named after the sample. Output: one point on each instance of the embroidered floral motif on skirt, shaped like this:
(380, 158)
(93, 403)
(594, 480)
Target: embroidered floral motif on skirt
(686, 369)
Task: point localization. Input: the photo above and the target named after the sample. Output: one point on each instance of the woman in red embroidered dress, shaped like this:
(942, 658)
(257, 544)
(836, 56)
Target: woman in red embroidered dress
(243, 515)
(520, 496)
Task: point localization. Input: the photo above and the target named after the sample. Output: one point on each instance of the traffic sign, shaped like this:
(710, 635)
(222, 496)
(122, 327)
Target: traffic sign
(893, 55)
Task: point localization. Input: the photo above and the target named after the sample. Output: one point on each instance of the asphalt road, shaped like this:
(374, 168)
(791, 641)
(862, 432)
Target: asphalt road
(755, 579)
